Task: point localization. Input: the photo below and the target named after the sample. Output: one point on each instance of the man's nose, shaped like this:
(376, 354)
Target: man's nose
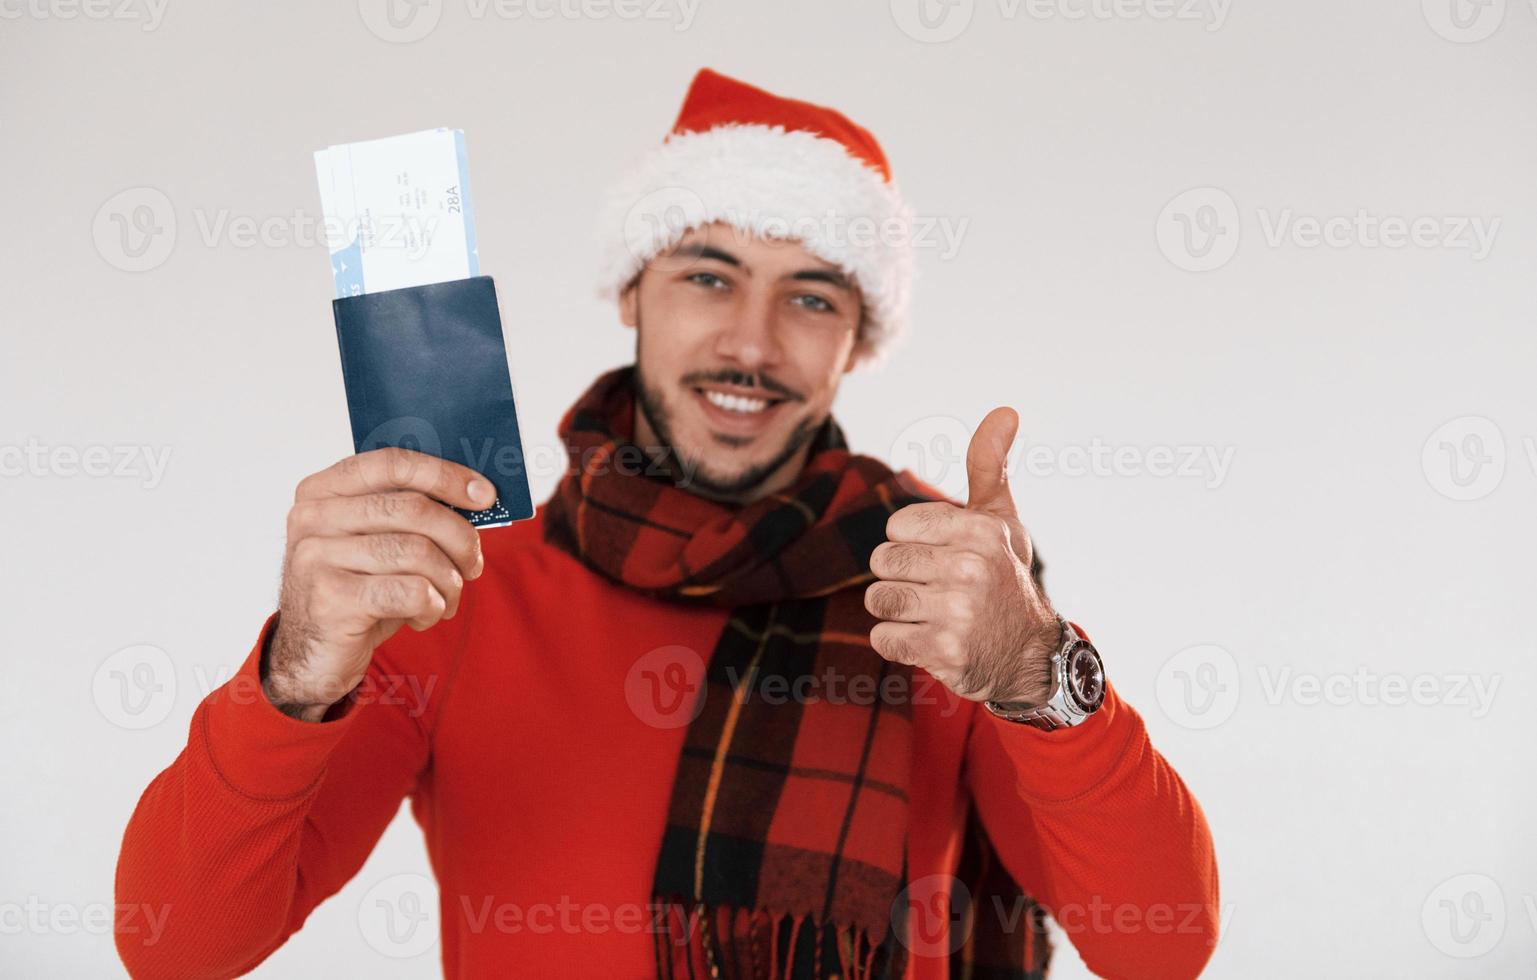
(750, 337)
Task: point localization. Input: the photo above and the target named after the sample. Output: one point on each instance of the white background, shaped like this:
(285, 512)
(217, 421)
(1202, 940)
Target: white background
(1330, 552)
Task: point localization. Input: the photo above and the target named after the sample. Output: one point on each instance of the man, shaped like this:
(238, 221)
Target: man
(737, 702)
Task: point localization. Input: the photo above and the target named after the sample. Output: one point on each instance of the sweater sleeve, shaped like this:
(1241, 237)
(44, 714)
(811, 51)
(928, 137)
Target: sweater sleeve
(261, 817)
(1097, 827)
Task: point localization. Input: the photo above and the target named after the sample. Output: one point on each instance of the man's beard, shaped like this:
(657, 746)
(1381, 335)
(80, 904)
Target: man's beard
(649, 400)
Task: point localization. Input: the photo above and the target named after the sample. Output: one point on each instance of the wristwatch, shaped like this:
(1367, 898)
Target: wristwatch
(1078, 687)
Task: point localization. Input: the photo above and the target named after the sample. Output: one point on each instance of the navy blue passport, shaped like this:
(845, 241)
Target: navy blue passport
(426, 369)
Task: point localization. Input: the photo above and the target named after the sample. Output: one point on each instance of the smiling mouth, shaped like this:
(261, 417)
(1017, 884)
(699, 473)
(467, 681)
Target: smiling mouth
(740, 404)
(734, 413)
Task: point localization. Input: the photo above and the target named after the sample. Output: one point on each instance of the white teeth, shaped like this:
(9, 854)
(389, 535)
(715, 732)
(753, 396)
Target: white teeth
(736, 403)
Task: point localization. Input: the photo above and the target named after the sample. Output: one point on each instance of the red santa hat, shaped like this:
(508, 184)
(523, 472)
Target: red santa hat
(772, 167)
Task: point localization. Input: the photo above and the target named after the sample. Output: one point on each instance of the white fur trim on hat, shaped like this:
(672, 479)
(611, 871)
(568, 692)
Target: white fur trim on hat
(770, 182)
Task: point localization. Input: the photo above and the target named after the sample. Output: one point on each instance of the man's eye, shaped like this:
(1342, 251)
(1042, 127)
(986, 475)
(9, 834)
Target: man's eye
(707, 279)
(813, 302)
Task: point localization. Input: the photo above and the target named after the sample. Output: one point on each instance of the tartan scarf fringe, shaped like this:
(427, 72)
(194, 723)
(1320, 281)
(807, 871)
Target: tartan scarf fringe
(694, 941)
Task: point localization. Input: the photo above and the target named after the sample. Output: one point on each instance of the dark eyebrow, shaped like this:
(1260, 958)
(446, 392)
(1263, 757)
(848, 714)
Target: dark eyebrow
(830, 276)
(699, 250)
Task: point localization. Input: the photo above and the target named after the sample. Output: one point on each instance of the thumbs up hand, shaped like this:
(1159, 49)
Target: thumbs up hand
(955, 591)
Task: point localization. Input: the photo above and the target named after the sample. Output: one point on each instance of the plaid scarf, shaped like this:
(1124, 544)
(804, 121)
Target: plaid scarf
(785, 849)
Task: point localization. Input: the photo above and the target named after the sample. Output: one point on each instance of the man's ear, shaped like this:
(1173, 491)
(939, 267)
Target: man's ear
(629, 303)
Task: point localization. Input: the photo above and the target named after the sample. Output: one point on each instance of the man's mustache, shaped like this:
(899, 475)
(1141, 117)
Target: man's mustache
(742, 379)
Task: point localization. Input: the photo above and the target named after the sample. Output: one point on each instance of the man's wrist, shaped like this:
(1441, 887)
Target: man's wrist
(1075, 691)
(275, 689)
(294, 709)
(1037, 675)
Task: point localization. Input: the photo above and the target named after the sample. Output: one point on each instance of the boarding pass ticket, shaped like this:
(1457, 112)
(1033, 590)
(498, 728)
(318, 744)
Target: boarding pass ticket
(397, 211)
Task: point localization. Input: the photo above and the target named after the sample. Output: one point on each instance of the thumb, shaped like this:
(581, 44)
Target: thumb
(987, 480)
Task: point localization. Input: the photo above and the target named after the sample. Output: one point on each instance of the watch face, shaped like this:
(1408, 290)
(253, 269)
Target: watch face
(1087, 677)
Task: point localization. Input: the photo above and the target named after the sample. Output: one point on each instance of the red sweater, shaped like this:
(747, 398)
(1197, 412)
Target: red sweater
(542, 797)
